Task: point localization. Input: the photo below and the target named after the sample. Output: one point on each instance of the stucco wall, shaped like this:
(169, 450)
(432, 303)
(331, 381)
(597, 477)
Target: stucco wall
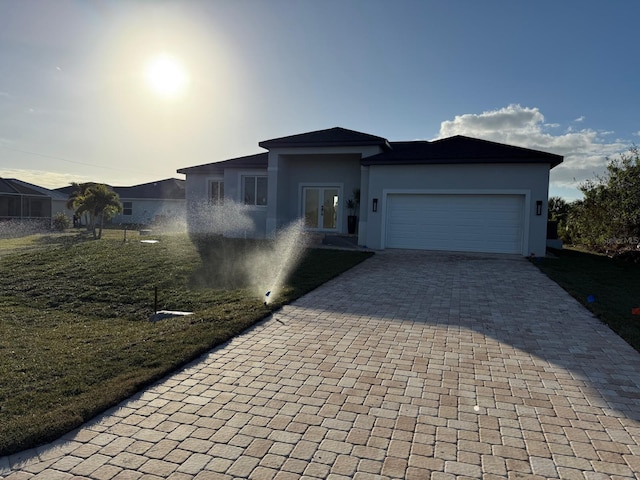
(530, 180)
(287, 174)
(146, 211)
(297, 171)
(233, 218)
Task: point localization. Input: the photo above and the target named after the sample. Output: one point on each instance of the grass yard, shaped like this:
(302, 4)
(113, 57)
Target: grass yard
(614, 285)
(74, 332)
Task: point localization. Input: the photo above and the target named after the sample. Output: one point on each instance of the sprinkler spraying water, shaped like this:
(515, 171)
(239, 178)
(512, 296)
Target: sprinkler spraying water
(263, 266)
(275, 267)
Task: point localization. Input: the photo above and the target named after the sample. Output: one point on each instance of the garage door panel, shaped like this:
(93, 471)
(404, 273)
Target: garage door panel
(477, 223)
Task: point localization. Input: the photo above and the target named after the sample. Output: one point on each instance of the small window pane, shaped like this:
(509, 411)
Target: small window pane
(217, 192)
(249, 190)
(127, 208)
(261, 191)
(214, 193)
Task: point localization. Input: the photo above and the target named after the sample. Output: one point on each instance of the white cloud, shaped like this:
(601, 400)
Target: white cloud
(584, 150)
(637, 134)
(513, 118)
(42, 178)
(580, 119)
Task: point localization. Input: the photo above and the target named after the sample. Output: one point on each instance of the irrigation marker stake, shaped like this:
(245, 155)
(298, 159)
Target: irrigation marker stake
(155, 300)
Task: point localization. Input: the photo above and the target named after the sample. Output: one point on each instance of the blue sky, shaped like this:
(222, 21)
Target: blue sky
(559, 76)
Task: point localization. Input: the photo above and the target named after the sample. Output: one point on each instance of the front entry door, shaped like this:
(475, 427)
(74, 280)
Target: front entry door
(320, 206)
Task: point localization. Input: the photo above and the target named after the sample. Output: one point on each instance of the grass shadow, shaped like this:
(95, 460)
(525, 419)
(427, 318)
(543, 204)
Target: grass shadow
(605, 286)
(223, 261)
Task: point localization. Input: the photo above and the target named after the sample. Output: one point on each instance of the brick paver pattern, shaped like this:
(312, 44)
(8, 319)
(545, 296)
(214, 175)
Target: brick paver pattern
(412, 365)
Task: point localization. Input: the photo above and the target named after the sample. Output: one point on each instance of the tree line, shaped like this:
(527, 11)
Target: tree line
(608, 215)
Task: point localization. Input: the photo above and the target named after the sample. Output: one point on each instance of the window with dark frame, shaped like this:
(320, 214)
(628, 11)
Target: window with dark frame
(127, 208)
(255, 190)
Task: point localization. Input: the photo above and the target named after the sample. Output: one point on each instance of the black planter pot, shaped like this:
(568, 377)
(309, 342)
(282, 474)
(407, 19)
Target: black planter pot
(352, 222)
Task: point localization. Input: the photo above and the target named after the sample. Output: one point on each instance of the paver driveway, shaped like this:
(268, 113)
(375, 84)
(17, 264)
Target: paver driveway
(411, 365)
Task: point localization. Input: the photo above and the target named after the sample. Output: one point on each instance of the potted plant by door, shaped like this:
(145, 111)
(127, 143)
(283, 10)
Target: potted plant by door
(352, 219)
(353, 204)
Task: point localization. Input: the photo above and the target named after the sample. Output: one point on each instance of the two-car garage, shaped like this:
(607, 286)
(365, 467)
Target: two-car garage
(456, 194)
(455, 222)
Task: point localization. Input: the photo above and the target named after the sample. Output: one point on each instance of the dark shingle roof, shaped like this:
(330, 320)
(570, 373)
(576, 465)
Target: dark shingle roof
(13, 186)
(459, 149)
(259, 160)
(336, 136)
(169, 189)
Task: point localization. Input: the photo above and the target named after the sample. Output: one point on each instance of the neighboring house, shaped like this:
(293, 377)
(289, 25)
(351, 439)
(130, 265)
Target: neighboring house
(154, 202)
(147, 203)
(457, 193)
(27, 202)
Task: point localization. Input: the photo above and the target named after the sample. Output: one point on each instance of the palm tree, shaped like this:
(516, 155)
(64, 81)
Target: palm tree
(95, 200)
(103, 202)
(76, 199)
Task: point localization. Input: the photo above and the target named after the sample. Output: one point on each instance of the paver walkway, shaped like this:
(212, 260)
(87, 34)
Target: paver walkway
(411, 365)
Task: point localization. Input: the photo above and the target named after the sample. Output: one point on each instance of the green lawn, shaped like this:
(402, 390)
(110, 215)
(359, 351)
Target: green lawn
(74, 332)
(613, 285)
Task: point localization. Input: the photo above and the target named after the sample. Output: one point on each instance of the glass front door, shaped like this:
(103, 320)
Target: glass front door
(320, 207)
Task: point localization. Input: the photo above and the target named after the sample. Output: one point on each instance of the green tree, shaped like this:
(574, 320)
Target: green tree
(105, 204)
(97, 201)
(610, 210)
(558, 211)
(76, 199)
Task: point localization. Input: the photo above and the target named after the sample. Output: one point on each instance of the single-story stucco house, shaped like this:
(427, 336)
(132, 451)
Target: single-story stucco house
(152, 203)
(147, 203)
(25, 202)
(457, 193)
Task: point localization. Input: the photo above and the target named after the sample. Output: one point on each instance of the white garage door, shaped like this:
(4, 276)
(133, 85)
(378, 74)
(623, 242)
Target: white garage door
(467, 223)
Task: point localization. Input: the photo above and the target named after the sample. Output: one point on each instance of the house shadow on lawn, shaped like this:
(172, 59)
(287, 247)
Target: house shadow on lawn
(481, 315)
(222, 264)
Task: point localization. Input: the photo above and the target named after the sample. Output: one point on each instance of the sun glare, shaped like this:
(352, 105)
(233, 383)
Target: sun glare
(166, 76)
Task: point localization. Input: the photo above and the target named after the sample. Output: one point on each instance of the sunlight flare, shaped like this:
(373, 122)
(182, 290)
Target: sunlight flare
(166, 76)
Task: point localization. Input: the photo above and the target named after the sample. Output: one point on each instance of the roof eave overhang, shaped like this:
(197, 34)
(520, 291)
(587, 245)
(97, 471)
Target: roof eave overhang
(369, 161)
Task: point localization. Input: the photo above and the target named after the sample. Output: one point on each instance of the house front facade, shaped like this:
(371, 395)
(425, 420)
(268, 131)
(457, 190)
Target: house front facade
(457, 193)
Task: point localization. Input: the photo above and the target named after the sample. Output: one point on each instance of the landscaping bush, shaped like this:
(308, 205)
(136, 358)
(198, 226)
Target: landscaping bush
(61, 222)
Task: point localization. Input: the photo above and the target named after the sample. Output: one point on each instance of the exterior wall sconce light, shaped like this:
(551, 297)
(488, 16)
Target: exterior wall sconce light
(538, 207)
(375, 205)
